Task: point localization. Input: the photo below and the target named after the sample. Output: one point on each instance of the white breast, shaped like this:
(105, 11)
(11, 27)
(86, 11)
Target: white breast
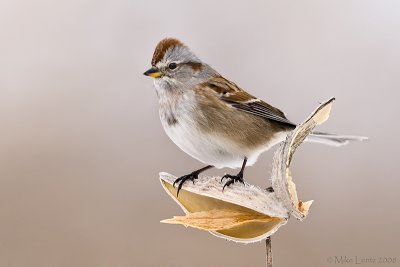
(211, 149)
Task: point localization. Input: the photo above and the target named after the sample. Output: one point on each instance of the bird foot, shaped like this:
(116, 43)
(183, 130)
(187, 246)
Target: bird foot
(232, 179)
(181, 180)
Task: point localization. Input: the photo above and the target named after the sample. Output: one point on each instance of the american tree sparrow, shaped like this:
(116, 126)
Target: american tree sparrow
(214, 120)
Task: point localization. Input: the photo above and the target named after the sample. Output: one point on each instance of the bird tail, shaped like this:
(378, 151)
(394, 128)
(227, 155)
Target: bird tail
(333, 139)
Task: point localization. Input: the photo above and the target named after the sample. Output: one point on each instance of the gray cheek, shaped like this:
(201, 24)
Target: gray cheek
(183, 74)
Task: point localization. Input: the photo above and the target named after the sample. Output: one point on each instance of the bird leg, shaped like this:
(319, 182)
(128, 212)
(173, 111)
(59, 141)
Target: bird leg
(235, 178)
(191, 176)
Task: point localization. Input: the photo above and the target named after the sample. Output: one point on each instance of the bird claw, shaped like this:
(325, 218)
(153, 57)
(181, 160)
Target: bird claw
(181, 180)
(232, 179)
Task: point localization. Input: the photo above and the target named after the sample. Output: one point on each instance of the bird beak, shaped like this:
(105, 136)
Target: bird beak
(153, 72)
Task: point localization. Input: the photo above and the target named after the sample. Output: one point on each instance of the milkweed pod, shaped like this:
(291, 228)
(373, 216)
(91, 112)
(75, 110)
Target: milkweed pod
(246, 213)
(240, 213)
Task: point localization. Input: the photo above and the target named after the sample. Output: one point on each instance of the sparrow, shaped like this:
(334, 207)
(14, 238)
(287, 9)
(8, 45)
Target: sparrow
(214, 120)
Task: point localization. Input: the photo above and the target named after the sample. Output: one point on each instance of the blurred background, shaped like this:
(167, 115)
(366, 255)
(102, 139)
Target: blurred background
(81, 144)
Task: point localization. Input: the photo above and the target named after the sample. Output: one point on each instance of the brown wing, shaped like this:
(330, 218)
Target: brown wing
(233, 95)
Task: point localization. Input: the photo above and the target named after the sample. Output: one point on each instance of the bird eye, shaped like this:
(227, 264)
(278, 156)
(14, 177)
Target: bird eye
(172, 66)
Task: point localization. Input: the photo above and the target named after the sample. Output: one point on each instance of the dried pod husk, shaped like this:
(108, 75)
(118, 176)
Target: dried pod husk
(246, 213)
(282, 181)
(240, 213)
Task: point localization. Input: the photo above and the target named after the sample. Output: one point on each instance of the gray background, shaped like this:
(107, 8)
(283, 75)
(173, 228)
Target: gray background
(81, 144)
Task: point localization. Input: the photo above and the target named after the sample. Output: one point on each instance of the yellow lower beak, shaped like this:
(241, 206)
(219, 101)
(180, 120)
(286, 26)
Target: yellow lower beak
(153, 72)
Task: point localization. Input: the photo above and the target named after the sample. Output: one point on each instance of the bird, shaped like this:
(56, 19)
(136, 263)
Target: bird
(214, 120)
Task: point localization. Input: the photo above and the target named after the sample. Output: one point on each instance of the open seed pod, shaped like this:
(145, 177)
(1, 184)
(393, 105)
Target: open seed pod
(246, 213)
(239, 213)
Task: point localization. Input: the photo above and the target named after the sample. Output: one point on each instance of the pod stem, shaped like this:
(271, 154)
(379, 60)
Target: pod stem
(268, 252)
